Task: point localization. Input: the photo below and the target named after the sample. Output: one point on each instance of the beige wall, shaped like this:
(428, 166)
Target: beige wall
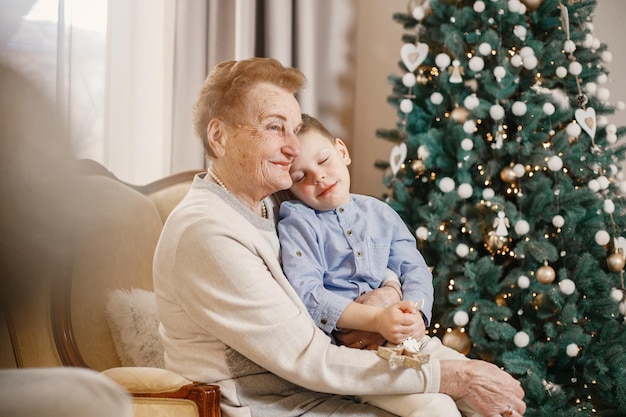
(378, 42)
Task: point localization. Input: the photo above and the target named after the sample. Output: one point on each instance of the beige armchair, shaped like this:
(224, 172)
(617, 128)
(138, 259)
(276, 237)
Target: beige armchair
(62, 321)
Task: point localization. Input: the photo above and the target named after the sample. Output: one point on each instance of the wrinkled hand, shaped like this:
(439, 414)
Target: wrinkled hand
(483, 386)
(380, 297)
(358, 339)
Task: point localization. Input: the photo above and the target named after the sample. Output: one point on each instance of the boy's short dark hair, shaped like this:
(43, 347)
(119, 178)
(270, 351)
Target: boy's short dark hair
(311, 123)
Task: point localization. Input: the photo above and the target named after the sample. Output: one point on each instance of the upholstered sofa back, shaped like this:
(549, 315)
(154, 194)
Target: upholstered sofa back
(114, 233)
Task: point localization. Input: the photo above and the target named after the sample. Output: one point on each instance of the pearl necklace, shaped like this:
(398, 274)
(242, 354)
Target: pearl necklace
(221, 184)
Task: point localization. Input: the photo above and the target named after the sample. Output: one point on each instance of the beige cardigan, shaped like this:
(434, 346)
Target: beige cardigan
(229, 316)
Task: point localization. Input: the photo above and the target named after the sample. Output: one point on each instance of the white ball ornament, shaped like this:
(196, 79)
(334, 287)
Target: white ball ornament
(555, 163)
(446, 184)
(436, 98)
(523, 282)
(476, 64)
(602, 237)
(548, 109)
(442, 60)
(591, 88)
(594, 185)
(603, 94)
(602, 121)
(575, 68)
(608, 206)
(567, 286)
(519, 170)
(611, 138)
(421, 233)
(465, 191)
(418, 12)
(522, 227)
(460, 318)
(488, 193)
(409, 79)
(423, 152)
(572, 350)
(596, 43)
(611, 128)
(558, 221)
(484, 48)
(526, 51)
(471, 102)
(530, 62)
(467, 144)
(496, 112)
(499, 72)
(479, 6)
(602, 79)
(520, 32)
(469, 126)
(622, 188)
(462, 250)
(620, 105)
(622, 308)
(521, 339)
(513, 6)
(406, 106)
(573, 129)
(604, 182)
(617, 295)
(569, 46)
(561, 72)
(519, 108)
(516, 60)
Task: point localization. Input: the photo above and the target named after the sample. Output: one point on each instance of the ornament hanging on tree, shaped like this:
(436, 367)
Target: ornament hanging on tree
(457, 340)
(616, 261)
(532, 4)
(501, 224)
(413, 55)
(397, 157)
(546, 274)
(456, 72)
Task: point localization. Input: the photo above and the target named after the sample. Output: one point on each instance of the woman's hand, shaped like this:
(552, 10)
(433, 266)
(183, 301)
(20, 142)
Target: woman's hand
(483, 386)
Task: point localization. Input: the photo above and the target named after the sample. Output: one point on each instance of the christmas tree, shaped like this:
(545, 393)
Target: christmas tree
(506, 166)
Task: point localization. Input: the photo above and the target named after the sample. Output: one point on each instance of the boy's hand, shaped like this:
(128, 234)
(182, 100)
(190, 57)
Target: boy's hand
(399, 321)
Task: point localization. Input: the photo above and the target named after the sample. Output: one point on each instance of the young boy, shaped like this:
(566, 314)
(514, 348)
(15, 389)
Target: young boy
(337, 246)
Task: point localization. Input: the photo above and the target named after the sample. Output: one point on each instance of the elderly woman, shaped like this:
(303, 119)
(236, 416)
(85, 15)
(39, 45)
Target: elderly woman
(228, 314)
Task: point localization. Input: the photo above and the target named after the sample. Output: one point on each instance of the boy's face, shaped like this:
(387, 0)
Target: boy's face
(320, 173)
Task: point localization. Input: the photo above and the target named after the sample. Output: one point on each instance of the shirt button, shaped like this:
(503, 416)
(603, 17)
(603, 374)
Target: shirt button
(341, 209)
(323, 321)
(298, 253)
(349, 232)
(358, 254)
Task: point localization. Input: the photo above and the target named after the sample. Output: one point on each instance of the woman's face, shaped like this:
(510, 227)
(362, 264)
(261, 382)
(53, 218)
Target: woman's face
(263, 142)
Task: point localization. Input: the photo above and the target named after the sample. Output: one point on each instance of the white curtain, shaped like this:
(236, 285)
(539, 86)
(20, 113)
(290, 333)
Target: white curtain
(125, 74)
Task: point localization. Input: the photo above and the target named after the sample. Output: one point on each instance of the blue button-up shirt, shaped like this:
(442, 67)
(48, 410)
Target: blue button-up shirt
(332, 257)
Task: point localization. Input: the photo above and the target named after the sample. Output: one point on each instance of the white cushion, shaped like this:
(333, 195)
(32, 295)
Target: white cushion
(134, 326)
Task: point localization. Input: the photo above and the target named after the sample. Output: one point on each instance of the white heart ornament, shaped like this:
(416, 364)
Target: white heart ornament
(413, 55)
(587, 120)
(397, 157)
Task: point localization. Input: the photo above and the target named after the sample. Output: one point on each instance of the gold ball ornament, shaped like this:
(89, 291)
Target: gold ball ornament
(459, 114)
(532, 4)
(457, 340)
(508, 175)
(616, 262)
(418, 166)
(546, 274)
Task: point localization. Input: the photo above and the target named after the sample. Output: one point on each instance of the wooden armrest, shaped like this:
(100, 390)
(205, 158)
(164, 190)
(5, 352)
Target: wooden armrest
(161, 383)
